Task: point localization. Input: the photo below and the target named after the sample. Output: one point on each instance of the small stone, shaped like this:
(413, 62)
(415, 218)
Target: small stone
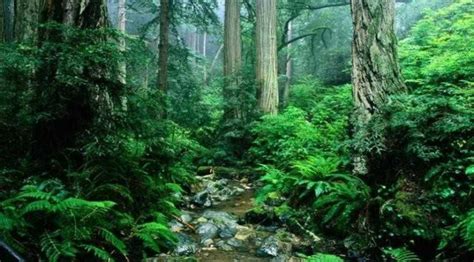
(201, 220)
(186, 246)
(223, 245)
(186, 218)
(207, 243)
(207, 231)
(269, 248)
(235, 243)
(175, 226)
(245, 233)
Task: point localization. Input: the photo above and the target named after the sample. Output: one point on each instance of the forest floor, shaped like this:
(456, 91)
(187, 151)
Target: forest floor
(215, 225)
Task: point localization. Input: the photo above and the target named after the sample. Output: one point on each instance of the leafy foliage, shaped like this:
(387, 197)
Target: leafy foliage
(90, 170)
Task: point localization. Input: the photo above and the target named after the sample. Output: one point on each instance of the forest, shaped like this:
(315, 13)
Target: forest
(237, 130)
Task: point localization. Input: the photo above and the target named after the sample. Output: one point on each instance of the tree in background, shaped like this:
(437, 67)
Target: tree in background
(163, 51)
(266, 45)
(375, 69)
(232, 59)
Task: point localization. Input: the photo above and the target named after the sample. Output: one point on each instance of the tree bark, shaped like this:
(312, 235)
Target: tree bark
(266, 42)
(164, 52)
(122, 24)
(289, 67)
(375, 70)
(232, 59)
(82, 109)
(2, 22)
(26, 19)
(8, 20)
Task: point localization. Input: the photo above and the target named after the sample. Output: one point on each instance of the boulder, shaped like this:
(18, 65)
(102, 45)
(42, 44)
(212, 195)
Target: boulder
(202, 199)
(185, 246)
(207, 231)
(244, 233)
(269, 248)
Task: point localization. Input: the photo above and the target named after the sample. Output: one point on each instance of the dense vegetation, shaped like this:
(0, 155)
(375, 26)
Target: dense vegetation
(94, 164)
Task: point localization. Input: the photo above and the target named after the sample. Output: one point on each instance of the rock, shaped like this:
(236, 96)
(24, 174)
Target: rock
(238, 190)
(269, 248)
(186, 217)
(175, 226)
(235, 243)
(201, 220)
(207, 243)
(186, 245)
(202, 199)
(227, 230)
(219, 216)
(207, 231)
(244, 233)
(221, 244)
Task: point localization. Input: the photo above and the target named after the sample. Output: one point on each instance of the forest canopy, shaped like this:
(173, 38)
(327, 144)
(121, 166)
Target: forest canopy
(236, 130)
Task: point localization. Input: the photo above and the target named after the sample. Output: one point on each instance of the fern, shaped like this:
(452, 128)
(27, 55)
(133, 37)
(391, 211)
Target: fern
(401, 255)
(98, 252)
(320, 257)
(467, 230)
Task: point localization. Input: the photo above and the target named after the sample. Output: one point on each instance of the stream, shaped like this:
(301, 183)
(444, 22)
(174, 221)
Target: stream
(215, 225)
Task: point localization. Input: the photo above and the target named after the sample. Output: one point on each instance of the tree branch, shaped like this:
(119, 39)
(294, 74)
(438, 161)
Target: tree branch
(285, 44)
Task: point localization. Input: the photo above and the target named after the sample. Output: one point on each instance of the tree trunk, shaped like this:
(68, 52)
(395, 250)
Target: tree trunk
(375, 70)
(2, 22)
(289, 67)
(204, 55)
(163, 52)
(122, 24)
(232, 59)
(266, 42)
(82, 109)
(26, 19)
(8, 20)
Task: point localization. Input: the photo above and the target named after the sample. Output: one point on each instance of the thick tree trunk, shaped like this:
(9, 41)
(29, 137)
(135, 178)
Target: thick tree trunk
(266, 42)
(232, 59)
(82, 109)
(26, 19)
(163, 51)
(289, 67)
(375, 70)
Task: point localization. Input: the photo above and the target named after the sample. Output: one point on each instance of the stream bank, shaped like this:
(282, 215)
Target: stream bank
(215, 225)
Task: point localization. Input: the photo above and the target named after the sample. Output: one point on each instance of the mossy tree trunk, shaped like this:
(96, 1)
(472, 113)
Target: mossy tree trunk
(81, 106)
(26, 19)
(266, 42)
(2, 22)
(163, 49)
(232, 59)
(375, 70)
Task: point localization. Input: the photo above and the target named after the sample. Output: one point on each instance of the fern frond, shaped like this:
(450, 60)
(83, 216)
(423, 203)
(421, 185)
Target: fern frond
(401, 255)
(98, 252)
(320, 257)
(113, 240)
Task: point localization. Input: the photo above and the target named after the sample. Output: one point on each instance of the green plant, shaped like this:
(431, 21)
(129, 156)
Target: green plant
(320, 257)
(401, 254)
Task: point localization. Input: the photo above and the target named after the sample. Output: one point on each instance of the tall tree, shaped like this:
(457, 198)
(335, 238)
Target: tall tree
(2, 22)
(79, 109)
(375, 70)
(26, 19)
(266, 41)
(232, 58)
(163, 51)
(289, 67)
(122, 24)
(8, 18)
